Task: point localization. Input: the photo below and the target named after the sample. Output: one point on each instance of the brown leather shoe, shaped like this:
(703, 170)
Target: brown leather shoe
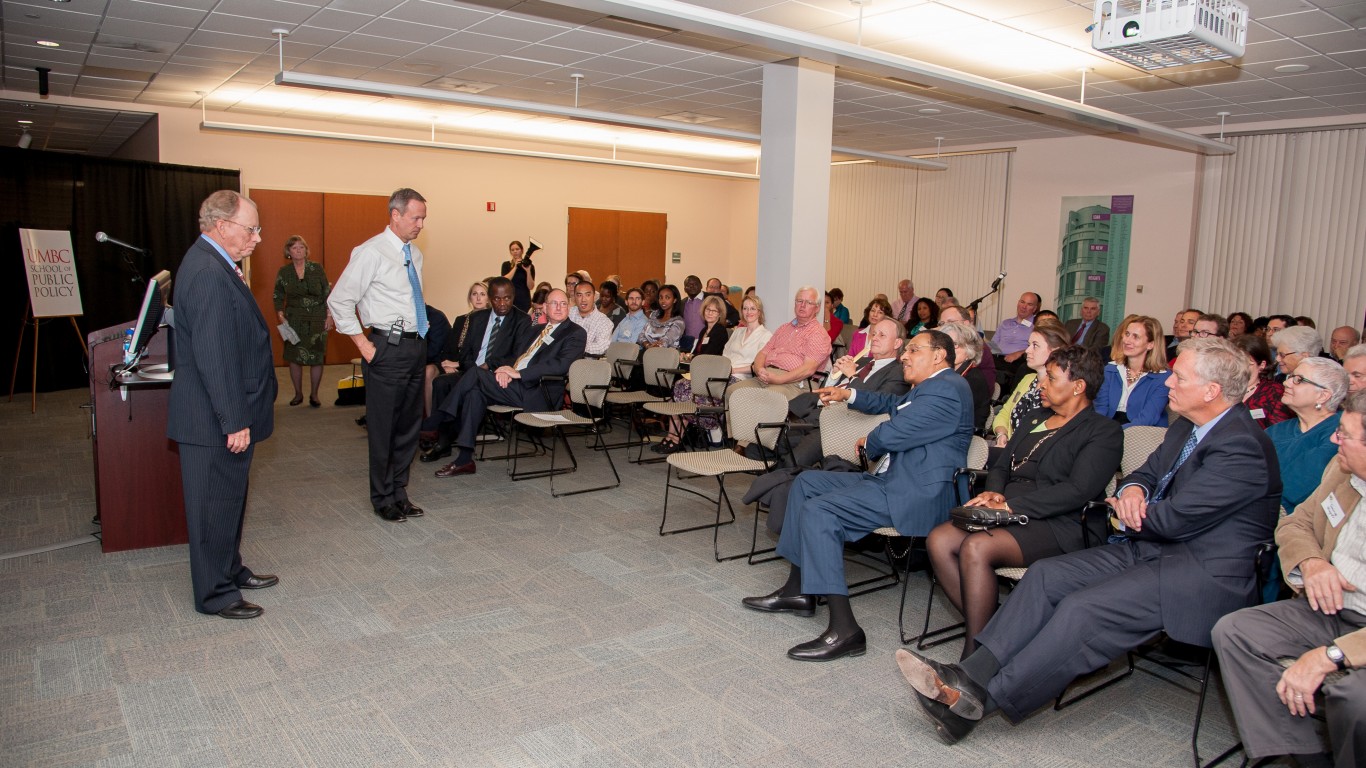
(453, 469)
(241, 610)
(260, 581)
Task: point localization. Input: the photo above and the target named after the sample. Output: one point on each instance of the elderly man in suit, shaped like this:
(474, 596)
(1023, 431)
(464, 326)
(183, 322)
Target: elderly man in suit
(1323, 557)
(1088, 331)
(548, 350)
(491, 341)
(910, 488)
(1192, 517)
(874, 372)
(222, 400)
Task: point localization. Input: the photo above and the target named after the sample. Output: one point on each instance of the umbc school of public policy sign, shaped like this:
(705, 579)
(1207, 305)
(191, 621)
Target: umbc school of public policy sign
(51, 270)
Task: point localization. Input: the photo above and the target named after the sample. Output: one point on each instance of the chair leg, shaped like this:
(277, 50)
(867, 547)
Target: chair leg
(722, 495)
(565, 438)
(929, 638)
(1062, 702)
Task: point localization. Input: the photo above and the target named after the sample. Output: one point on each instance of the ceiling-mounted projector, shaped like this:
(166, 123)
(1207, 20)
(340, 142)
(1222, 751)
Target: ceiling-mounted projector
(1155, 34)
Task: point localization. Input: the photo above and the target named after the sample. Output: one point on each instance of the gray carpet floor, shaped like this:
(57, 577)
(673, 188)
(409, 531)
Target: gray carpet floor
(506, 628)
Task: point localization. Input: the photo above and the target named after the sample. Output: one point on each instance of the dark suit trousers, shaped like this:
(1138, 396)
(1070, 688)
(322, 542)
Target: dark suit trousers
(442, 387)
(825, 510)
(393, 414)
(1251, 643)
(215, 482)
(476, 391)
(1071, 615)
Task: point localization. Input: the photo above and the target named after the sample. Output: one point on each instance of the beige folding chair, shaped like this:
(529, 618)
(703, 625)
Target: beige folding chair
(588, 384)
(657, 363)
(710, 376)
(752, 411)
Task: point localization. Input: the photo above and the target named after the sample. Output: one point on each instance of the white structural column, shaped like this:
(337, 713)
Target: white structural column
(794, 182)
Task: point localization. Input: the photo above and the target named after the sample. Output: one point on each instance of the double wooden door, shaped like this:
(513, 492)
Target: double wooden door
(626, 243)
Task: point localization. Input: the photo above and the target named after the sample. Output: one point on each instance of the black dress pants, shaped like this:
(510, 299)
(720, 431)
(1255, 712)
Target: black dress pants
(393, 414)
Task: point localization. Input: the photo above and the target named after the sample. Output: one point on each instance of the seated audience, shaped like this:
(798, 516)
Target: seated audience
(1062, 457)
(795, 352)
(537, 311)
(570, 280)
(1294, 345)
(1210, 325)
(925, 314)
(968, 351)
(876, 311)
(650, 291)
(664, 326)
(833, 325)
(585, 314)
(836, 297)
(633, 322)
(1355, 363)
(1182, 328)
(953, 313)
(910, 488)
(1263, 398)
(1276, 660)
(1012, 335)
(1274, 325)
(691, 307)
(1304, 444)
(1306, 321)
(1239, 323)
(876, 372)
(1043, 341)
(718, 289)
(609, 305)
(1088, 331)
(1046, 314)
(1344, 338)
(711, 340)
(1135, 387)
(901, 307)
(747, 339)
(548, 352)
(943, 297)
(1192, 517)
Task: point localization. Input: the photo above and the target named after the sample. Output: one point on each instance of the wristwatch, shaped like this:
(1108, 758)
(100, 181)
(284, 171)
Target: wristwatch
(1336, 656)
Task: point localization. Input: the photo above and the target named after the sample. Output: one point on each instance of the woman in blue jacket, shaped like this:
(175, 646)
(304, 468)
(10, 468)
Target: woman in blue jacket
(1135, 386)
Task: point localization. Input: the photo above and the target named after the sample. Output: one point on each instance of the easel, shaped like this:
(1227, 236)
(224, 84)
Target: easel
(19, 348)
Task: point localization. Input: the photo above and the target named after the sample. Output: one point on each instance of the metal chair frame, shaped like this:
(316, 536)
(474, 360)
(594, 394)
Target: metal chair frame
(700, 365)
(598, 372)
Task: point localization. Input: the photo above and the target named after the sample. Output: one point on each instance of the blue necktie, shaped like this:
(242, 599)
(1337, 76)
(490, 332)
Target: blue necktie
(417, 290)
(1166, 480)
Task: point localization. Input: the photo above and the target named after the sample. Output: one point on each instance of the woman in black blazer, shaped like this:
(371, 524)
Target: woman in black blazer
(1061, 457)
(710, 341)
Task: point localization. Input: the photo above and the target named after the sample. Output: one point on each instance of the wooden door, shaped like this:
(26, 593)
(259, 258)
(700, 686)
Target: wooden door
(283, 215)
(628, 243)
(348, 221)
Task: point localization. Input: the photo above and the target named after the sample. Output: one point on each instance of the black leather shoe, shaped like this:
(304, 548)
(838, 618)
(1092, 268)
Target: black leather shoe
(950, 728)
(260, 582)
(802, 605)
(392, 513)
(242, 610)
(410, 509)
(435, 454)
(946, 684)
(830, 646)
(453, 469)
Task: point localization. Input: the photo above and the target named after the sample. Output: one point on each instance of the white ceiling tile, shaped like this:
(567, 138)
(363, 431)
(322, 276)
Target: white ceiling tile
(356, 58)
(799, 16)
(1337, 42)
(612, 65)
(175, 15)
(1312, 80)
(332, 69)
(438, 14)
(1072, 16)
(517, 29)
(281, 13)
(405, 31)
(231, 42)
(655, 53)
(1351, 12)
(552, 54)
(372, 7)
(1304, 23)
(441, 60)
(330, 18)
(515, 65)
(1355, 59)
(589, 42)
(378, 45)
(473, 41)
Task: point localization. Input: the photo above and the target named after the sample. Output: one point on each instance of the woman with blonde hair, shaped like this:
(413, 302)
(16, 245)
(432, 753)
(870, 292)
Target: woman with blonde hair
(1135, 387)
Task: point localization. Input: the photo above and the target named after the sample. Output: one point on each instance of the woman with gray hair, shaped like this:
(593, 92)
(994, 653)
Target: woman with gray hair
(1304, 444)
(1294, 344)
(967, 350)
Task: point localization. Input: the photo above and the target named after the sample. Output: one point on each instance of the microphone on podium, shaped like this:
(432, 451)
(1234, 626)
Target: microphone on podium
(103, 238)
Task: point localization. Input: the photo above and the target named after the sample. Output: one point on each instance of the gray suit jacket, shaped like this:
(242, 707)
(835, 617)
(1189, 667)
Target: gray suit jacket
(1097, 336)
(225, 375)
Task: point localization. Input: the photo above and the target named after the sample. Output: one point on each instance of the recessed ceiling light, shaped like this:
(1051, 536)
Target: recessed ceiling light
(48, 44)
(1290, 69)
(26, 122)
(929, 111)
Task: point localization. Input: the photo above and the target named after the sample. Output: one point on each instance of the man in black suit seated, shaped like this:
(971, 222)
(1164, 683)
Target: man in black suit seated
(547, 350)
(222, 400)
(494, 338)
(875, 372)
(1190, 520)
(1088, 331)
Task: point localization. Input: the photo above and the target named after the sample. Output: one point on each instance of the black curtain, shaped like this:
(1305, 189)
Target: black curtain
(152, 205)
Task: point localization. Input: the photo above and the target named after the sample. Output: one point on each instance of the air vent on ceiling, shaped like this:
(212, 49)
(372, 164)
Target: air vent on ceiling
(459, 86)
(690, 117)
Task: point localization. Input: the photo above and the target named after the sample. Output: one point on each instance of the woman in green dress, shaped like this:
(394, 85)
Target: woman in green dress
(301, 291)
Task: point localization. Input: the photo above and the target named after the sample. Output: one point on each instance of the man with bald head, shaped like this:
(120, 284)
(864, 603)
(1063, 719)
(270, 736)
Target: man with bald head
(1344, 338)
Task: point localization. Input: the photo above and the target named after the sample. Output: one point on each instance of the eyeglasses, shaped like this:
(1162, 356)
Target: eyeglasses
(1204, 334)
(1343, 437)
(807, 303)
(1297, 379)
(252, 230)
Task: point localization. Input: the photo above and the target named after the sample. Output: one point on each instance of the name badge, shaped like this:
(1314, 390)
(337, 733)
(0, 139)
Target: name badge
(1258, 413)
(1333, 510)
(903, 405)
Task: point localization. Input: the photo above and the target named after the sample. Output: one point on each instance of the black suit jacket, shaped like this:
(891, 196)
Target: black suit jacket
(888, 379)
(1097, 336)
(1220, 506)
(1071, 468)
(225, 375)
(567, 344)
(507, 348)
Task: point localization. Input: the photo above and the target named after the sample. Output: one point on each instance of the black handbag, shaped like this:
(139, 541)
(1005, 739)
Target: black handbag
(974, 519)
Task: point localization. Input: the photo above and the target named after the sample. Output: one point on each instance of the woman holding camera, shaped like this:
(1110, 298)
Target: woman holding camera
(519, 269)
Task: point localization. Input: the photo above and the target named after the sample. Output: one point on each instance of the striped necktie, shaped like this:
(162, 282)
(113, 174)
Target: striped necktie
(418, 303)
(1166, 481)
(540, 340)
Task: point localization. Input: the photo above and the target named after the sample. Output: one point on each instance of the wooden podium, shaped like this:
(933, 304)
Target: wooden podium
(137, 468)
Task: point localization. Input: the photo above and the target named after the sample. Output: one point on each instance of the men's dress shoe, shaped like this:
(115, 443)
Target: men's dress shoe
(950, 728)
(260, 582)
(435, 454)
(410, 509)
(242, 610)
(947, 684)
(392, 513)
(802, 605)
(427, 436)
(453, 469)
(830, 646)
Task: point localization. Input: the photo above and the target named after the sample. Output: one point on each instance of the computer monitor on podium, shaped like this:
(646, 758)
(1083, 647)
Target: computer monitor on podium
(155, 305)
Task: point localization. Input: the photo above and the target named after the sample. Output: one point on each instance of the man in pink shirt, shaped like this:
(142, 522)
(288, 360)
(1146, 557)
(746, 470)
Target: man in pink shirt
(796, 351)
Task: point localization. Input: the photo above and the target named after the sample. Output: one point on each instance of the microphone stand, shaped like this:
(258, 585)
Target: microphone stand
(995, 286)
